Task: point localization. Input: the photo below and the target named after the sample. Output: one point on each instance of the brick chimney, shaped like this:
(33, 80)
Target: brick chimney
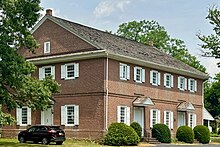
(49, 12)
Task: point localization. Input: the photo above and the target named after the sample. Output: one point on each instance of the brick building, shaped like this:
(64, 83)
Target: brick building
(105, 78)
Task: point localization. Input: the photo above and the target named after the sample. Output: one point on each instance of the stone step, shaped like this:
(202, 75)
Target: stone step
(196, 141)
(153, 141)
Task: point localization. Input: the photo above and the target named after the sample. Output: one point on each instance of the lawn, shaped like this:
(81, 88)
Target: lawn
(67, 143)
(215, 139)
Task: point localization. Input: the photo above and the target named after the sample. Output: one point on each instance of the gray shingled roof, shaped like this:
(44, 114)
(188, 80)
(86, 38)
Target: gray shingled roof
(121, 46)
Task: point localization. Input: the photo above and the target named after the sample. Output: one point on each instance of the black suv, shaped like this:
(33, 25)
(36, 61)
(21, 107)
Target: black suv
(42, 133)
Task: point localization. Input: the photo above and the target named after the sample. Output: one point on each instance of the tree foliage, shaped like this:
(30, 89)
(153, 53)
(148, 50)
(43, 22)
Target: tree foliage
(211, 43)
(151, 33)
(212, 96)
(17, 87)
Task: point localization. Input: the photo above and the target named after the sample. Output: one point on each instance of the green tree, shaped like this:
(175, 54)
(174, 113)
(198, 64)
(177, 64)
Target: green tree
(211, 43)
(151, 33)
(17, 87)
(212, 96)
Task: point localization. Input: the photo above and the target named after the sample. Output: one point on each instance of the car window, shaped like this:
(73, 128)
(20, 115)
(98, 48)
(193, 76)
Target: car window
(55, 128)
(32, 129)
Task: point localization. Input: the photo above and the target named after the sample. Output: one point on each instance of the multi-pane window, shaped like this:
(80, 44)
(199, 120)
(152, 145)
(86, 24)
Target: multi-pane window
(70, 115)
(154, 77)
(168, 80)
(192, 87)
(23, 116)
(124, 71)
(168, 119)
(154, 117)
(123, 114)
(182, 83)
(191, 120)
(70, 71)
(47, 47)
(139, 74)
(46, 71)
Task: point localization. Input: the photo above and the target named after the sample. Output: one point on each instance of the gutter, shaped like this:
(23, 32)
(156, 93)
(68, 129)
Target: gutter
(106, 102)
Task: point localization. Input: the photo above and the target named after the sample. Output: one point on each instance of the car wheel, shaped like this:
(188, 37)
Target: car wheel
(59, 142)
(22, 140)
(45, 141)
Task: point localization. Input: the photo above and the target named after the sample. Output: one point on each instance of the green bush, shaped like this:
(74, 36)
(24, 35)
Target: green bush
(120, 134)
(185, 134)
(162, 133)
(137, 127)
(202, 134)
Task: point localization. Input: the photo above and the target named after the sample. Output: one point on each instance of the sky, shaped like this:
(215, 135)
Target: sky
(182, 19)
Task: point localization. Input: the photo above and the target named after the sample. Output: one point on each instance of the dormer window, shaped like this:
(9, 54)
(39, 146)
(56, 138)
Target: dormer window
(47, 47)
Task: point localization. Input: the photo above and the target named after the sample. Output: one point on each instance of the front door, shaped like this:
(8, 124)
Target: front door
(47, 117)
(181, 119)
(139, 117)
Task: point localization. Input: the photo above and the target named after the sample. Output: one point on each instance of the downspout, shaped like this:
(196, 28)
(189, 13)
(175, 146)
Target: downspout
(106, 103)
(203, 106)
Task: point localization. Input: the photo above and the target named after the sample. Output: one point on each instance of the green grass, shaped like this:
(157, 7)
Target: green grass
(215, 139)
(68, 143)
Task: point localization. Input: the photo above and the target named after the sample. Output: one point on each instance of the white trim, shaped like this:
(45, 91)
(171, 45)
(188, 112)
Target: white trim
(45, 47)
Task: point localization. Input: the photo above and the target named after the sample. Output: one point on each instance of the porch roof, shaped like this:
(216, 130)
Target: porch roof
(143, 101)
(185, 106)
(206, 115)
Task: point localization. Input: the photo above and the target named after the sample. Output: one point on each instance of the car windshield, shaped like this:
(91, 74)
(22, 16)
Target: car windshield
(55, 128)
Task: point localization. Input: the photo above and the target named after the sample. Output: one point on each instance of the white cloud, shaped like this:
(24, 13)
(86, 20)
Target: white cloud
(211, 65)
(107, 7)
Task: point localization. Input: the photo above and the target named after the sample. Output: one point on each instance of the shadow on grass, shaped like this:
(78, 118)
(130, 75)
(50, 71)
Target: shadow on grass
(15, 144)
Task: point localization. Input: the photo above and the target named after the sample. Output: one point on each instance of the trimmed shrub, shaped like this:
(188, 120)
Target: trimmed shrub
(185, 134)
(137, 127)
(202, 134)
(120, 134)
(162, 133)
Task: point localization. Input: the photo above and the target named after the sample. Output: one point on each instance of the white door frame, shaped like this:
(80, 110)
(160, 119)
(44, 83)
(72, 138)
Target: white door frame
(142, 118)
(42, 116)
(184, 117)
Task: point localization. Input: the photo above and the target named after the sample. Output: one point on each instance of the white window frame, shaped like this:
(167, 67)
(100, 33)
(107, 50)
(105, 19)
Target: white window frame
(156, 119)
(46, 44)
(192, 88)
(42, 74)
(182, 86)
(124, 71)
(126, 114)
(157, 77)
(141, 75)
(64, 115)
(191, 120)
(166, 80)
(168, 120)
(19, 116)
(64, 71)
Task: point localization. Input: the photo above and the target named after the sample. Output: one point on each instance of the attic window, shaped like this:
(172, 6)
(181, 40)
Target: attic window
(47, 47)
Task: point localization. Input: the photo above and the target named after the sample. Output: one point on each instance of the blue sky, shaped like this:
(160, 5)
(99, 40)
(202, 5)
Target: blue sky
(183, 19)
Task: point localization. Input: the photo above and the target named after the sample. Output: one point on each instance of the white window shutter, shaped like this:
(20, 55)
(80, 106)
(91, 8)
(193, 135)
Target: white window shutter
(41, 73)
(128, 115)
(143, 75)
(118, 114)
(151, 118)
(63, 71)
(172, 81)
(151, 76)
(189, 119)
(164, 117)
(158, 78)
(63, 115)
(158, 116)
(29, 116)
(128, 72)
(76, 66)
(135, 72)
(178, 82)
(42, 117)
(171, 120)
(189, 84)
(18, 116)
(121, 71)
(185, 83)
(53, 71)
(194, 120)
(195, 85)
(76, 115)
(164, 80)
